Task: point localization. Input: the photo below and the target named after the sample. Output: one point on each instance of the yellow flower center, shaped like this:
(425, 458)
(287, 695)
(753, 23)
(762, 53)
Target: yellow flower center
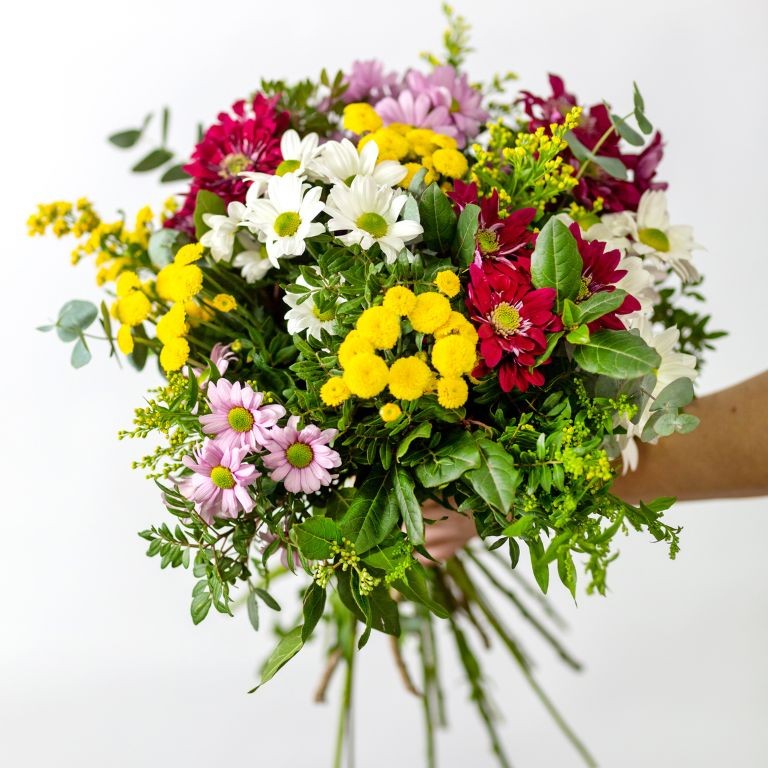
(287, 166)
(584, 291)
(222, 478)
(455, 106)
(323, 317)
(234, 164)
(240, 419)
(487, 241)
(505, 319)
(287, 224)
(373, 223)
(654, 238)
(299, 455)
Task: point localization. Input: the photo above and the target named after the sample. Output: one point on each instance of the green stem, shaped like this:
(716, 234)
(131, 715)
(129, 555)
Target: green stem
(344, 731)
(598, 146)
(427, 699)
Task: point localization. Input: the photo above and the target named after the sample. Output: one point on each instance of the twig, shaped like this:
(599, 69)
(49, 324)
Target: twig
(333, 662)
(402, 668)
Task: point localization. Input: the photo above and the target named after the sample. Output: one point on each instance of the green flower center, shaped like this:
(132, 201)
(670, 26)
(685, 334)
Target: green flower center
(455, 106)
(222, 478)
(654, 238)
(323, 317)
(373, 223)
(505, 319)
(234, 164)
(240, 419)
(287, 166)
(299, 455)
(287, 224)
(487, 241)
(584, 291)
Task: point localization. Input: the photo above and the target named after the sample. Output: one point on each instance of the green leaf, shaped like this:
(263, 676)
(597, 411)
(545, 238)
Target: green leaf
(437, 218)
(384, 613)
(201, 604)
(314, 605)
(314, 537)
(612, 166)
(578, 335)
(125, 139)
(570, 314)
(539, 565)
(415, 586)
(411, 210)
(552, 340)
(665, 424)
(207, 202)
(267, 598)
(154, 159)
(519, 527)
(556, 262)
(174, 173)
(163, 245)
(686, 422)
(166, 121)
(410, 509)
(286, 649)
(76, 315)
(423, 430)
(449, 462)
(618, 354)
(626, 132)
(637, 97)
(642, 121)
(567, 570)
(599, 304)
(372, 514)
(497, 477)
(678, 394)
(138, 358)
(417, 182)
(466, 229)
(253, 610)
(45, 328)
(81, 355)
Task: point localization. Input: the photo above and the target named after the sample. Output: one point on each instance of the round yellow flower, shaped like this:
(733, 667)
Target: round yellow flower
(380, 326)
(176, 282)
(390, 412)
(334, 392)
(127, 282)
(125, 339)
(197, 313)
(361, 118)
(172, 324)
(413, 169)
(448, 282)
(366, 375)
(188, 254)
(422, 141)
(133, 309)
(401, 128)
(444, 141)
(453, 355)
(452, 392)
(391, 144)
(457, 325)
(450, 162)
(430, 311)
(400, 300)
(224, 302)
(408, 378)
(353, 345)
(174, 354)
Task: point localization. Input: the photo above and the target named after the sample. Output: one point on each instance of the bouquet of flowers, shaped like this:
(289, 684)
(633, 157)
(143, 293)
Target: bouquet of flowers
(380, 290)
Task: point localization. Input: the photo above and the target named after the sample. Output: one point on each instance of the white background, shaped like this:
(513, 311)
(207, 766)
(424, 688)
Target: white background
(99, 662)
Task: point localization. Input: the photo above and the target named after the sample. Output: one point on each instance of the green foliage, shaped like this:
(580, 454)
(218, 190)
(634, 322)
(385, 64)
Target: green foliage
(438, 219)
(556, 262)
(618, 354)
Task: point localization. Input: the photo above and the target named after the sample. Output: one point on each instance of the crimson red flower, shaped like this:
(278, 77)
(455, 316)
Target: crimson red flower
(512, 319)
(245, 139)
(496, 237)
(617, 195)
(600, 273)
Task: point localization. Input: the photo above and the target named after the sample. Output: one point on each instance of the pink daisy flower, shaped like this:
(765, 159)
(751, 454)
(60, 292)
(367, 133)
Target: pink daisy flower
(238, 419)
(416, 110)
(301, 458)
(369, 81)
(219, 485)
(221, 356)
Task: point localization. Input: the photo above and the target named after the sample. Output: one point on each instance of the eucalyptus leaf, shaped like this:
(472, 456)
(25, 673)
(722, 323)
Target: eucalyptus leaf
(678, 394)
(666, 424)
(163, 244)
(686, 422)
(125, 139)
(626, 131)
(81, 355)
(612, 166)
(77, 314)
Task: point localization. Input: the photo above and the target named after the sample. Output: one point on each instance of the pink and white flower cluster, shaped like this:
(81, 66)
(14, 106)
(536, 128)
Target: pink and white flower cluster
(241, 428)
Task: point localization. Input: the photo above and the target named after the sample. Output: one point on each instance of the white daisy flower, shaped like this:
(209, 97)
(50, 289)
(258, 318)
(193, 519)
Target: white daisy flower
(303, 314)
(253, 263)
(638, 282)
(369, 214)
(339, 162)
(220, 238)
(285, 218)
(298, 154)
(616, 230)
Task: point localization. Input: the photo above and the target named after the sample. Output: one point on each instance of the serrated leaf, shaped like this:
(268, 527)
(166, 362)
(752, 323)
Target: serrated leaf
(618, 354)
(410, 509)
(154, 159)
(556, 262)
(437, 218)
(314, 537)
(466, 229)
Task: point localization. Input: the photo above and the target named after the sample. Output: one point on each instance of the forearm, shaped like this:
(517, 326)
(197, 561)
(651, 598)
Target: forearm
(726, 456)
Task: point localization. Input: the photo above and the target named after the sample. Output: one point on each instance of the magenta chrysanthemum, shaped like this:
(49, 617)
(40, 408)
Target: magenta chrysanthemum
(301, 458)
(219, 483)
(238, 419)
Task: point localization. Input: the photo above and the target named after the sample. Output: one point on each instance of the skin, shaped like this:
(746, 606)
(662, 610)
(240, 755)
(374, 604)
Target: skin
(725, 457)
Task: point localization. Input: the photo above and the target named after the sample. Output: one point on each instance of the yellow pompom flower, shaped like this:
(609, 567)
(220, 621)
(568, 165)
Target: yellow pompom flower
(126, 282)
(430, 311)
(125, 339)
(172, 324)
(448, 282)
(422, 141)
(174, 354)
(453, 356)
(444, 141)
(197, 313)
(450, 162)
(224, 302)
(380, 326)
(334, 392)
(361, 118)
(390, 412)
(457, 325)
(353, 345)
(413, 169)
(408, 378)
(366, 375)
(452, 392)
(188, 254)
(391, 144)
(133, 309)
(177, 282)
(401, 128)
(400, 300)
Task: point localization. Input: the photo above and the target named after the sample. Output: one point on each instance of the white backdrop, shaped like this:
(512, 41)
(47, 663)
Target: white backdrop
(99, 662)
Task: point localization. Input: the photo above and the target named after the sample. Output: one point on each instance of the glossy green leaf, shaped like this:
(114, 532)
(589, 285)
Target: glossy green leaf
(497, 477)
(437, 218)
(206, 202)
(578, 335)
(286, 649)
(618, 354)
(423, 430)
(449, 462)
(519, 527)
(466, 229)
(556, 262)
(314, 537)
(599, 304)
(372, 515)
(410, 509)
(313, 607)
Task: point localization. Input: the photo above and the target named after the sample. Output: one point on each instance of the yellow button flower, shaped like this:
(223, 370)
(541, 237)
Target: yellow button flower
(174, 354)
(448, 282)
(457, 325)
(408, 378)
(366, 375)
(389, 412)
(224, 302)
(400, 300)
(172, 324)
(391, 144)
(452, 392)
(453, 355)
(125, 339)
(379, 326)
(133, 309)
(353, 345)
(361, 118)
(450, 162)
(177, 282)
(334, 392)
(430, 311)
